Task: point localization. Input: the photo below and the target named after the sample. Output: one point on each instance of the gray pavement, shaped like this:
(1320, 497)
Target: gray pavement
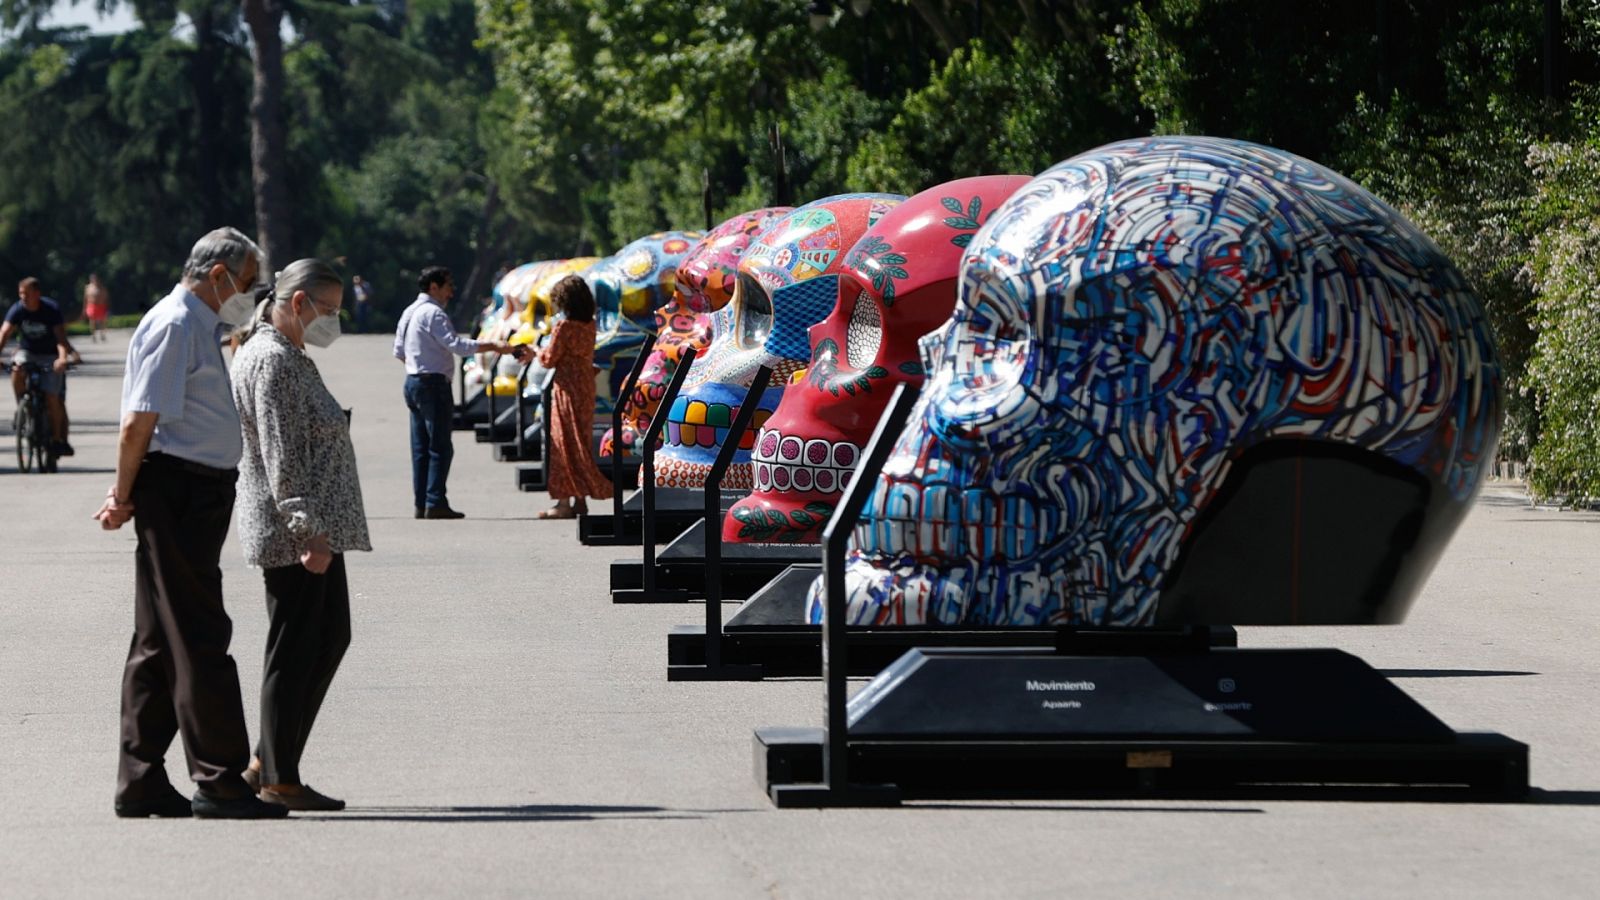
(500, 728)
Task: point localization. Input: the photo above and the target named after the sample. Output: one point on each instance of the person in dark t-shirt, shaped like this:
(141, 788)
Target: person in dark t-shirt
(41, 341)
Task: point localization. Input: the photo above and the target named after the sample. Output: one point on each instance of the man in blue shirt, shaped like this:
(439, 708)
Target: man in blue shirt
(427, 343)
(42, 342)
(177, 461)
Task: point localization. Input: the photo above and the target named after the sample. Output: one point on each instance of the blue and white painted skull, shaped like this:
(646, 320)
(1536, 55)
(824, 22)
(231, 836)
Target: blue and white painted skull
(1174, 356)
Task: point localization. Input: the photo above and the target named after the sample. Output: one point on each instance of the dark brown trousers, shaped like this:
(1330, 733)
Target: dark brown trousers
(308, 633)
(179, 678)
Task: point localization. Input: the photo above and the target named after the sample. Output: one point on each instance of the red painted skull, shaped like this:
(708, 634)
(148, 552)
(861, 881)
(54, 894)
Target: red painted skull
(897, 284)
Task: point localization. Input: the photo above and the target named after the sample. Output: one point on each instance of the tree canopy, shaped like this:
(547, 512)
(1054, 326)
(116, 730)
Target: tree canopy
(510, 130)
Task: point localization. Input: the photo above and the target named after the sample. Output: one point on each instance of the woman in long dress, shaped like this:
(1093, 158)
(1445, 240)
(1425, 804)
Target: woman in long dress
(571, 469)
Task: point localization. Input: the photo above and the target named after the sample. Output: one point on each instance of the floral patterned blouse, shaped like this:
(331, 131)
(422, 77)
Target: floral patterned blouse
(297, 478)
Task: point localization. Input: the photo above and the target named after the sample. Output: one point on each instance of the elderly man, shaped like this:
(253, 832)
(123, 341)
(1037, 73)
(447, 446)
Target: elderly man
(42, 343)
(425, 341)
(177, 461)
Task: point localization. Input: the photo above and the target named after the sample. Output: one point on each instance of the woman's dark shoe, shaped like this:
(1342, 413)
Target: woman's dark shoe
(206, 806)
(171, 805)
(307, 799)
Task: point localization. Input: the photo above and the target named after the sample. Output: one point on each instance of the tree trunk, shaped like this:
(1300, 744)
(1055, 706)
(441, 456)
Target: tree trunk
(489, 246)
(208, 48)
(268, 145)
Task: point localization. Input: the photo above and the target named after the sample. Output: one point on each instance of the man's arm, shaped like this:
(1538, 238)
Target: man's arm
(132, 444)
(5, 334)
(445, 333)
(64, 350)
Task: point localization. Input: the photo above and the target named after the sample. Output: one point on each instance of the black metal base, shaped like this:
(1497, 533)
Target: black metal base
(510, 451)
(676, 510)
(530, 478)
(1224, 723)
(474, 412)
(795, 651)
(681, 566)
(769, 636)
(659, 595)
(1475, 767)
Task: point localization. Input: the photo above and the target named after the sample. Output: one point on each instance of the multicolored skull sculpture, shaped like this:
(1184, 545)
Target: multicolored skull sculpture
(1187, 380)
(628, 287)
(897, 284)
(703, 283)
(765, 323)
(517, 299)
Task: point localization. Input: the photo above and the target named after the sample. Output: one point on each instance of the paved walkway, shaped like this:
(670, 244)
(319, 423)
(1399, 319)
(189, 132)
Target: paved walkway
(500, 728)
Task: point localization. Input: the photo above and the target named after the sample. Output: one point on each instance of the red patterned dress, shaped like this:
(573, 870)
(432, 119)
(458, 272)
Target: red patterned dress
(571, 468)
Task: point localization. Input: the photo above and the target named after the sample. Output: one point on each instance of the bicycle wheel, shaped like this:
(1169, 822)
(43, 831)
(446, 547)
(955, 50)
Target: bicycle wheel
(42, 457)
(22, 424)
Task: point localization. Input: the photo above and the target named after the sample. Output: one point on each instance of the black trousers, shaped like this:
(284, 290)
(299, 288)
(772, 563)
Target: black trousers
(179, 678)
(307, 634)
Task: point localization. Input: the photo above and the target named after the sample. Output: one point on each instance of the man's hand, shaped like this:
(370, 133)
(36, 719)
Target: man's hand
(60, 365)
(112, 514)
(317, 556)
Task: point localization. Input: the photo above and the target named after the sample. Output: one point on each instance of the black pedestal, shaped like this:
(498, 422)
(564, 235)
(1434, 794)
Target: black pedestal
(769, 637)
(676, 510)
(681, 569)
(1223, 723)
(471, 413)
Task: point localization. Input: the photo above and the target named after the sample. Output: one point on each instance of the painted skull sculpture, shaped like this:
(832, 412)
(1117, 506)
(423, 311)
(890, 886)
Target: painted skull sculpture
(777, 296)
(628, 288)
(1188, 380)
(521, 315)
(703, 283)
(898, 283)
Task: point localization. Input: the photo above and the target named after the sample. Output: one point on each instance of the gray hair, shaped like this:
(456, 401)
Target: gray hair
(225, 245)
(309, 275)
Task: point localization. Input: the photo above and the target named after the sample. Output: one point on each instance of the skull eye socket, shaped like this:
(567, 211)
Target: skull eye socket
(755, 311)
(864, 333)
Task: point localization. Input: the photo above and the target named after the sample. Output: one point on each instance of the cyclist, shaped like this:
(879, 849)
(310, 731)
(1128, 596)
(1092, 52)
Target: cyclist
(42, 343)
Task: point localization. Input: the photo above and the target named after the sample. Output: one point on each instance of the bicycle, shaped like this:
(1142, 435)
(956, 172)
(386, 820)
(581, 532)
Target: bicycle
(32, 426)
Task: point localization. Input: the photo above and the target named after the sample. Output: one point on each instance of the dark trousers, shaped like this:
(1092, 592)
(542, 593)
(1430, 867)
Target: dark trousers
(428, 398)
(179, 678)
(308, 632)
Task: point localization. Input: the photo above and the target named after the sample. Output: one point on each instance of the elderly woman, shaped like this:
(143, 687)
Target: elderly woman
(299, 512)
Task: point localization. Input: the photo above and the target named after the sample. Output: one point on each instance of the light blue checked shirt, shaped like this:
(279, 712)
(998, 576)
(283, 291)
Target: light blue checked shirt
(175, 369)
(425, 339)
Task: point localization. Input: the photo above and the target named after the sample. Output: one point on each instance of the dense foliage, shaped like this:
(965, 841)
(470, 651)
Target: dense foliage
(523, 129)
(122, 149)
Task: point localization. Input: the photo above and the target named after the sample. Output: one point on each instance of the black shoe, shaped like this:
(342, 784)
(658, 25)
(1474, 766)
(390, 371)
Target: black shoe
(442, 512)
(63, 448)
(171, 805)
(419, 513)
(206, 806)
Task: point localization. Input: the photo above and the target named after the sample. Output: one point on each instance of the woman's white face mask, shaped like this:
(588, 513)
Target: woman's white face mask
(323, 330)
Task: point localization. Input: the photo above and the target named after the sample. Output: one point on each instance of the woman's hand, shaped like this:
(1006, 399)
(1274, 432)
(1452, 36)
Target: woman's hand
(317, 556)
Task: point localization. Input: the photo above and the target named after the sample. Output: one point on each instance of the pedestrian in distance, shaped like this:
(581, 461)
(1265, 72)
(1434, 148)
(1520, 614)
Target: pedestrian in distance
(300, 511)
(177, 463)
(96, 307)
(426, 341)
(362, 292)
(572, 472)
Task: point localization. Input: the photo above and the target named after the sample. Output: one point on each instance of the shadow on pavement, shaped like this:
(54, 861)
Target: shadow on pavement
(1542, 797)
(1452, 673)
(1047, 807)
(524, 813)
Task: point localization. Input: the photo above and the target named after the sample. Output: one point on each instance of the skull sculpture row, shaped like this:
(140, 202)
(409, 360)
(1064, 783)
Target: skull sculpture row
(703, 283)
(1161, 350)
(897, 283)
(764, 323)
(628, 289)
